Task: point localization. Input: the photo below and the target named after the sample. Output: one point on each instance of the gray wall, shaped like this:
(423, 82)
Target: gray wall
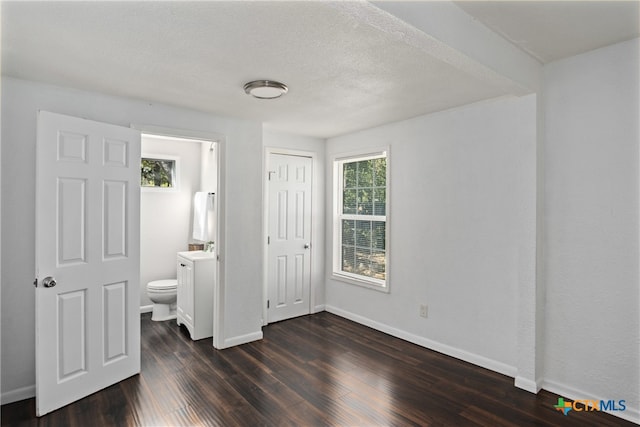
(592, 320)
(456, 224)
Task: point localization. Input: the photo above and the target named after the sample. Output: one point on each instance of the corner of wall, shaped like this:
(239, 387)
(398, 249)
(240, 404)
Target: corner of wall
(241, 339)
(530, 274)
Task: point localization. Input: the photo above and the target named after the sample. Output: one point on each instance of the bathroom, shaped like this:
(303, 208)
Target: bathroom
(167, 213)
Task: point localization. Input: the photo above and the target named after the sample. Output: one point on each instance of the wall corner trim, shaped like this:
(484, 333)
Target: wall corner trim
(527, 384)
(241, 339)
(319, 308)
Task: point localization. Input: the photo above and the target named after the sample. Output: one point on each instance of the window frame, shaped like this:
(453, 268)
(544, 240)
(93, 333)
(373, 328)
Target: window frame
(175, 173)
(338, 274)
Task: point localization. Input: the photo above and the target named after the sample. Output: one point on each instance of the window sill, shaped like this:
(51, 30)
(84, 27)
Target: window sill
(360, 282)
(159, 189)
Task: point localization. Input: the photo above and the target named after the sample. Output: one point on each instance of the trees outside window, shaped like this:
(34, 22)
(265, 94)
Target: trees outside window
(158, 173)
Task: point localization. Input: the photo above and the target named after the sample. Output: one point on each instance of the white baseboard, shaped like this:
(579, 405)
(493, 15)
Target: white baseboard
(528, 385)
(18, 394)
(572, 393)
(318, 309)
(242, 339)
(146, 308)
(475, 359)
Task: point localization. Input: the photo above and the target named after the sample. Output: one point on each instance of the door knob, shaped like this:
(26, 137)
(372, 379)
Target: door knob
(307, 246)
(49, 282)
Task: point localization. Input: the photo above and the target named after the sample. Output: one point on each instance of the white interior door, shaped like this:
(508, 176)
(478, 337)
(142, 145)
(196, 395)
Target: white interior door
(289, 249)
(87, 240)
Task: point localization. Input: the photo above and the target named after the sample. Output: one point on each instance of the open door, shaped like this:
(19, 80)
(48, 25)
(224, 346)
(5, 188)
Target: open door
(87, 258)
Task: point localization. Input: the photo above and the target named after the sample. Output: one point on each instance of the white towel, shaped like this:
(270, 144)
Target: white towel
(202, 202)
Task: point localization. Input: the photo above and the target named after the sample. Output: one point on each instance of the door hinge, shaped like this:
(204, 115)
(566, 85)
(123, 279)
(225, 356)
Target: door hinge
(267, 304)
(268, 240)
(269, 174)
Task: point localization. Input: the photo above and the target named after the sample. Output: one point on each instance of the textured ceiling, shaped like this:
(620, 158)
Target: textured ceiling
(551, 30)
(348, 65)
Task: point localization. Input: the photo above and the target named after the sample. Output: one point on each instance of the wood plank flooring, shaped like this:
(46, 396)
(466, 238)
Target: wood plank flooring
(311, 371)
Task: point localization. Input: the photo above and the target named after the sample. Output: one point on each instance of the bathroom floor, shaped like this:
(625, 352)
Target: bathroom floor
(309, 371)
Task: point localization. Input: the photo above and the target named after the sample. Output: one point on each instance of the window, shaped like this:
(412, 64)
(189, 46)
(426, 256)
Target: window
(159, 173)
(360, 226)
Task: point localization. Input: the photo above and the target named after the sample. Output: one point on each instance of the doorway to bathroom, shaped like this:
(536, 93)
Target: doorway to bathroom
(177, 167)
(173, 170)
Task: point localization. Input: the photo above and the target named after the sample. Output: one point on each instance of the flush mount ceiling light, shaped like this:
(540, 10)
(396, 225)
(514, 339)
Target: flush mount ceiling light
(265, 89)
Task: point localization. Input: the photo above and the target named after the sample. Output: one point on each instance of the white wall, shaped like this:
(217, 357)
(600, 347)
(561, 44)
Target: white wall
(456, 225)
(280, 140)
(241, 194)
(591, 222)
(166, 216)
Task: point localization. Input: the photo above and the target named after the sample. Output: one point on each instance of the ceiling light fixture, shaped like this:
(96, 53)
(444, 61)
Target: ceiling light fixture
(265, 89)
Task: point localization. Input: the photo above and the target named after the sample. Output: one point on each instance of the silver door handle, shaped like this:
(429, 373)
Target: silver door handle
(49, 282)
(307, 245)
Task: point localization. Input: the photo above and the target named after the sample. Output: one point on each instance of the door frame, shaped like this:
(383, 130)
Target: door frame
(219, 288)
(316, 249)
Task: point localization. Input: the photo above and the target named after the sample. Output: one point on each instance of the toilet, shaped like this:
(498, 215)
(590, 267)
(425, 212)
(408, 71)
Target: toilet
(162, 294)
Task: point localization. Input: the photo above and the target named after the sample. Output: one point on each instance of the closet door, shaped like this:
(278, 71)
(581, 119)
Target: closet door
(289, 249)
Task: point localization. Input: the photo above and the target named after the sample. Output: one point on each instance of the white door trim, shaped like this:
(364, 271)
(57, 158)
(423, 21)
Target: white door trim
(315, 254)
(219, 289)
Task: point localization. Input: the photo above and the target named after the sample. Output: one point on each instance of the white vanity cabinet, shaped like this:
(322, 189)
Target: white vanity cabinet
(196, 280)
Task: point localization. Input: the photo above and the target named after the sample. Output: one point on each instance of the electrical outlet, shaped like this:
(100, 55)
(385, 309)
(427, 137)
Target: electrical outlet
(423, 310)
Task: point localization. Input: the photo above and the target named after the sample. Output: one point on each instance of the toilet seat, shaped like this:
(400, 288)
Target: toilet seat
(163, 285)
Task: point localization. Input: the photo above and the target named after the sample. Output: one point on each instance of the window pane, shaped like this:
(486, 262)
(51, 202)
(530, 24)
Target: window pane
(363, 234)
(363, 263)
(365, 173)
(365, 201)
(380, 172)
(348, 232)
(157, 173)
(363, 242)
(379, 201)
(378, 265)
(348, 259)
(349, 201)
(378, 238)
(349, 178)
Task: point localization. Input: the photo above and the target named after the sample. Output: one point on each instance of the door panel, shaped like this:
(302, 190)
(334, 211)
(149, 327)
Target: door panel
(72, 344)
(87, 238)
(72, 211)
(289, 267)
(115, 195)
(114, 301)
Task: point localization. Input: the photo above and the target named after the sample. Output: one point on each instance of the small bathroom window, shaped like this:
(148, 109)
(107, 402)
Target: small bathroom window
(159, 173)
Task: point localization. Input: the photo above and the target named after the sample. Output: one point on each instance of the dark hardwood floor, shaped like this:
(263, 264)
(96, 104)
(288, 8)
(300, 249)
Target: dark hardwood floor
(311, 371)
